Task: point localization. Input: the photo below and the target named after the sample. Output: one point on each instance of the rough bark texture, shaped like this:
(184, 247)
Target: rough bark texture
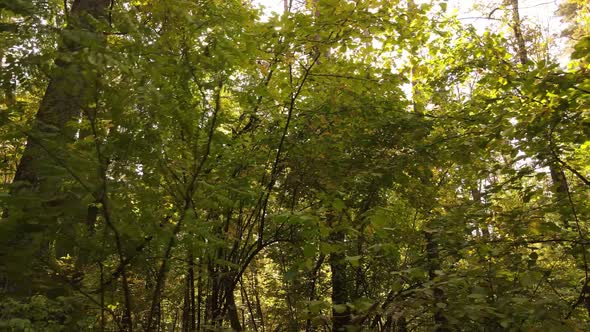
(72, 88)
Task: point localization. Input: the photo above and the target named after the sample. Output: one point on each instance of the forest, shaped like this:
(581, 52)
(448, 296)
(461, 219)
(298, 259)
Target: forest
(338, 165)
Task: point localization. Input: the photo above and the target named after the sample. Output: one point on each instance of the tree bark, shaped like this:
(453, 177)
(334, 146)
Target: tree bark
(312, 284)
(234, 318)
(478, 199)
(248, 304)
(517, 29)
(433, 259)
(191, 286)
(188, 312)
(560, 189)
(340, 317)
(199, 294)
(72, 88)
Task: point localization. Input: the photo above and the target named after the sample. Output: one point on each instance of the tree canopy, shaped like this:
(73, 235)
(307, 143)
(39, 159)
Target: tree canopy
(345, 165)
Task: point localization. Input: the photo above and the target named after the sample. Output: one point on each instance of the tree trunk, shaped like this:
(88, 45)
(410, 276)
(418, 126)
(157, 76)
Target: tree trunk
(560, 189)
(186, 309)
(72, 88)
(199, 294)
(401, 325)
(517, 29)
(255, 288)
(312, 284)
(433, 259)
(559, 181)
(188, 312)
(248, 304)
(191, 286)
(478, 200)
(213, 310)
(234, 318)
(340, 312)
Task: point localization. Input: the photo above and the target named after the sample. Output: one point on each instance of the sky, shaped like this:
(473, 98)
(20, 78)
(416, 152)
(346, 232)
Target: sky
(542, 11)
(536, 12)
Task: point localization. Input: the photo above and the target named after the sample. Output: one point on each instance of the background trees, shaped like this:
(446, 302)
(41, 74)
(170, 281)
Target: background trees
(185, 165)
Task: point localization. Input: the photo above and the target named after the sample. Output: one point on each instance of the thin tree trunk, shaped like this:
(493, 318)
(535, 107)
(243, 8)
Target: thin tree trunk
(340, 314)
(213, 309)
(186, 307)
(478, 199)
(517, 29)
(560, 184)
(102, 317)
(557, 175)
(199, 294)
(388, 325)
(191, 286)
(433, 259)
(248, 304)
(159, 316)
(209, 292)
(401, 325)
(215, 300)
(257, 298)
(175, 319)
(188, 312)
(359, 273)
(560, 189)
(232, 311)
(312, 286)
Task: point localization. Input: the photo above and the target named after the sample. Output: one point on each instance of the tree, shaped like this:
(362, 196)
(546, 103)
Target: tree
(342, 166)
(70, 93)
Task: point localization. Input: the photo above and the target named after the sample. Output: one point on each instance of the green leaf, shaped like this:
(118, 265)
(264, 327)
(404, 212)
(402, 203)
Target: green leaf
(340, 308)
(338, 205)
(353, 260)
